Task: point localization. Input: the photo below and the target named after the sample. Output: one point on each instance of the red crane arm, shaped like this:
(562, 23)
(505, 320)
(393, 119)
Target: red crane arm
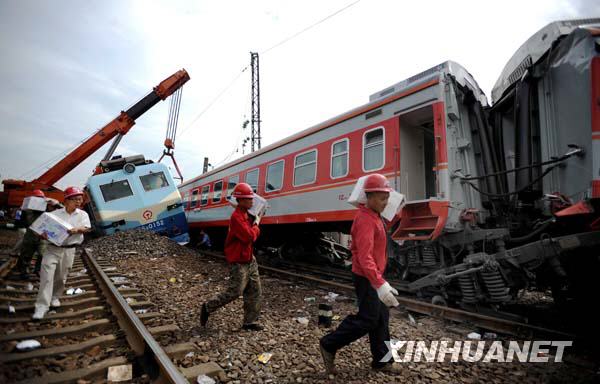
(120, 125)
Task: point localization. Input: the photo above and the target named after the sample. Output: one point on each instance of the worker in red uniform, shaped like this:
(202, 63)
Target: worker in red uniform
(374, 294)
(244, 279)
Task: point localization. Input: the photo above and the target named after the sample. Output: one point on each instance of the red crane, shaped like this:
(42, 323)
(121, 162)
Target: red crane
(16, 190)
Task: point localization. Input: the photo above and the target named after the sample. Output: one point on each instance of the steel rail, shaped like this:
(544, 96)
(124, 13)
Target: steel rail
(490, 323)
(150, 354)
(7, 266)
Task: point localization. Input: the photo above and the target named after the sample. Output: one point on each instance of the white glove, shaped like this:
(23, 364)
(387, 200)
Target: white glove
(386, 295)
(257, 219)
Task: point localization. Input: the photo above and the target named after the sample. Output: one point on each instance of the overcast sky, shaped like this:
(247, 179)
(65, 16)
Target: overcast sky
(69, 67)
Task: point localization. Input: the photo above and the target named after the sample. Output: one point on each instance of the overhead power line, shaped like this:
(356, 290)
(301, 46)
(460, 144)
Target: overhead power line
(310, 27)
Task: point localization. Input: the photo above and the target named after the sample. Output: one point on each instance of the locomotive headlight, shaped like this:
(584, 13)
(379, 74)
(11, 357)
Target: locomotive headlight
(129, 168)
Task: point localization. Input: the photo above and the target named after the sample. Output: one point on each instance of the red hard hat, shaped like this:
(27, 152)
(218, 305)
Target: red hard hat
(377, 183)
(242, 191)
(73, 191)
(38, 193)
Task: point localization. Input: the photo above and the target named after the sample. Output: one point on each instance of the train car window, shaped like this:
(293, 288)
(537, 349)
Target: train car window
(217, 191)
(274, 176)
(339, 159)
(305, 168)
(154, 181)
(231, 183)
(194, 203)
(373, 149)
(204, 195)
(116, 190)
(252, 179)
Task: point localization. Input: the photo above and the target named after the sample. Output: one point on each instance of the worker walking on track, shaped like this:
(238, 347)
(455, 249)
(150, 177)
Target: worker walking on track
(373, 293)
(31, 241)
(244, 279)
(57, 261)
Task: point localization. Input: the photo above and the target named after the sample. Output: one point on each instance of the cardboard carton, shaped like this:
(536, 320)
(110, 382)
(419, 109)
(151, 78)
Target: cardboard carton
(56, 228)
(358, 197)
(34, 203)
(259, 205)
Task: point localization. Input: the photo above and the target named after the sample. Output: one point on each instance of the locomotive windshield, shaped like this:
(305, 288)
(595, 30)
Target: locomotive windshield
(154, 181)
(116, 190)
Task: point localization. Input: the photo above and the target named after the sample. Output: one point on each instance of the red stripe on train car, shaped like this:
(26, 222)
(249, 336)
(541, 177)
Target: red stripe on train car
(595, 188)
(439, 129)
(595, 95)
(311, 217)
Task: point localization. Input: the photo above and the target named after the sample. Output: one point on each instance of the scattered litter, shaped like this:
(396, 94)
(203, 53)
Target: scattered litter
(331, 296)
(141, 311)
(83, 271)
(10, 331)
(123, 287)
(309, 299)
(153, 258)
(489, 335)
(474, 336)
(53, 312)
(28, 345)
(190, 354)
(130, 300)
(9, 288)
(11, 309)
(130, 253)
(265, 357)
(70, 291)
(172, 280)
(301, 320)
(203, 379)
(412, 320)
(336, 317)
(29, 287)
(110, 269)
(120, 373)
(119, 279)
(79, 291)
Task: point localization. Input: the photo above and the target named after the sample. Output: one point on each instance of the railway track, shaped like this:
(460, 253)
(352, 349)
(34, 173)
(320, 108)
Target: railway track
(343, 282)
(108, 323)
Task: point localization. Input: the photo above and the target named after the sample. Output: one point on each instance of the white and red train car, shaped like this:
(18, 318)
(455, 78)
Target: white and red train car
(308, 177)
(498, 197)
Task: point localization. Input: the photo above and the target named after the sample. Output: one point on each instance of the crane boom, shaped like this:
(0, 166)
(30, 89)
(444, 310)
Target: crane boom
(16, 190)
(119, 126)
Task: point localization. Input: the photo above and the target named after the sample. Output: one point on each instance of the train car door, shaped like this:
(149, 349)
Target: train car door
(417, 154)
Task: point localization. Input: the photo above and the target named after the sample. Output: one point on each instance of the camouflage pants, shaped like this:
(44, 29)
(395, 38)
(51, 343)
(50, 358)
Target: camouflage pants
(243, 281)
(31, 244)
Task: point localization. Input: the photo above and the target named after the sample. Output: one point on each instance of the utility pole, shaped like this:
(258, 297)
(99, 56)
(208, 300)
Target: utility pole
(255, 134)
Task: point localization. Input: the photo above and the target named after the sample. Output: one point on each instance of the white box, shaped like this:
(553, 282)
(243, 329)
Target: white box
(358, 197)
(34, 203)
(394, 204)
(56, 228)
(259, 205)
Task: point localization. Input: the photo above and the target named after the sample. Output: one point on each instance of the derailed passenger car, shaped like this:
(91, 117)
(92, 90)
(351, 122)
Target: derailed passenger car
(499, 198)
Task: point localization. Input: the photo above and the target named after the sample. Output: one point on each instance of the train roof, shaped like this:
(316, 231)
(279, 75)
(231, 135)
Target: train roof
(405, 87)
(462, 76)
(533, 49)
